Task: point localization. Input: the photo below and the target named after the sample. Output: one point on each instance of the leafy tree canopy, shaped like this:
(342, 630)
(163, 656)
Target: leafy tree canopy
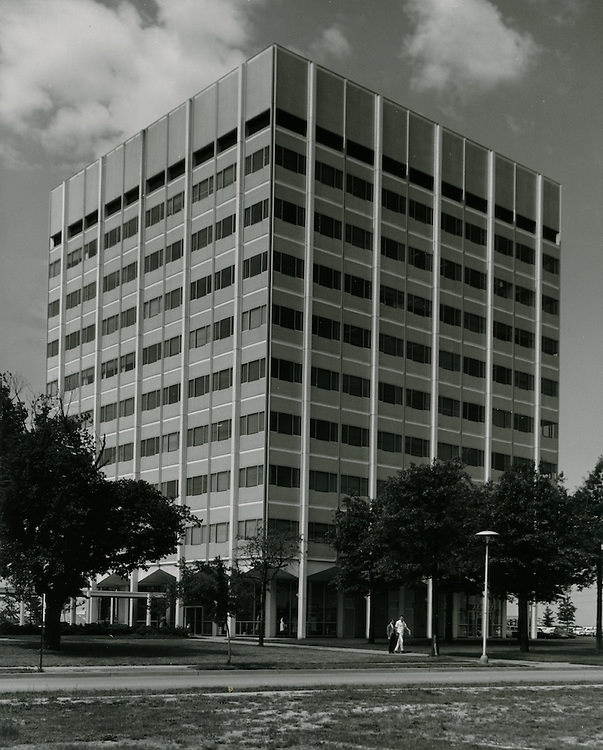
(62, 522)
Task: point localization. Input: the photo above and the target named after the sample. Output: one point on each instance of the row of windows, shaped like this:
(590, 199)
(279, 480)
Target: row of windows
(213, 533)
(121, 320)
(169, 301)
(156, 259)
(203, 434)
(159, 444)
(161, 349)
(223, 178)
(124, 363)
(128, 229)
(120, 276)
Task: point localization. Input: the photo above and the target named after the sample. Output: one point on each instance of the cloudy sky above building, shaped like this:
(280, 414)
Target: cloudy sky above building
(77, 77)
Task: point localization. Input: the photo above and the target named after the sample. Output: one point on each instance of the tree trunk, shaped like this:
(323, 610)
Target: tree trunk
(229, 658)
(449, 608)
(52, 622)
(599, 632)
(523, 623)
(262, 622)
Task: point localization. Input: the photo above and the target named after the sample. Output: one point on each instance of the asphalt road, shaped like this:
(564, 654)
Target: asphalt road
(177, 678)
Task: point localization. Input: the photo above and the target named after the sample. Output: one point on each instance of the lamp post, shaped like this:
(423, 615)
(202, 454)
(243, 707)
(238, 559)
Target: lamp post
(487, 535)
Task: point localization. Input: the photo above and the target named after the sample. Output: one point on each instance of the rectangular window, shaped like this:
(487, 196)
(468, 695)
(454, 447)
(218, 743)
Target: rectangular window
(420, 212)
(113, 206)
(255, 265)
(201, 287)
(151, 353)
(222, 379)
(523, 423)
(390, 394)
(327, 226)
(549, 429)
(201, 155)
(523, 380)
(525, 253)
(283, 369)
(72, 381)
(130, 228)
(393, 201)
(420, 259)
(171, 394)
(524, 296)
(227, 140)
(131, 196)
(251, 476)
(326, 276)
(202, 238)
(328, 138)
(53, 308)
(152, 307)
(476, 279)
(172, 346)
(250, 424)
(258, 160)
(199, 337)
(503, 288)
(254, 318)
(74, 258)
(127, 362)
(500, 461)
(87, 377)
(352, 485)
(550, 264)
(284, 476)
(391, 297)
(393, 249)
(54, 269)
(126, 407)
(256, 213)
(288, 264)
(156, 181)
(474, 367)
(223, 328)
(153, 261)
(501, 418)
(393, 167)
(418, 399)
(286, 317)
(389, 442)
(550, 346)
(111, 281)
(109, 368)
(449, 361)
(289, 159)
(475, 323)
(328, 380)
(391, 345)
(451, 224)
(357, 286)
(198, 386)
(129, 273)
(196, 485)
(328, 175)
(321, 429)
(154, 215)
(284, 423)
(289, 212)
(358, 237)
(418, 305)
(197, 435)
(224, 278)
(173, 299)
(221, 430)
(357, 336)
(149, 446)
(354, 385)
(354, 435)
(89, 291)
(449, 407)
(175, 204)
(414, 446)
(549, 387)
(174, 251)
(550, 305)
(225, 227)
(473, 412)
(475, 233)
(52, 348)
(252, 371)
(202, 189)
(108, 412)
(418, 352)
(73, 299)
(502, 331)
(359, 188)
(170, 443)
(503, 245)
(447, 451)
(151, 400)
(323, 481)
(451, 270)
(524, 338)
(90, 249)
(88, 334)
(502, 375)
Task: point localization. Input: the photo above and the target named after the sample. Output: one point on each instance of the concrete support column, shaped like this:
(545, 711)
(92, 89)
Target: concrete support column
(132, 602)
(340, 614)
(367, 625)
(429, 607)
(72, 610)
(148, 617)
(503, 617)
(270, 613)
(456, 600)
(92, 605)
(534, 621)
(111, 606)
(21, 613)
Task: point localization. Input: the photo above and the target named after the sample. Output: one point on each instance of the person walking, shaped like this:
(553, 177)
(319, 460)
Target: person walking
(392, 636)
(401, 627)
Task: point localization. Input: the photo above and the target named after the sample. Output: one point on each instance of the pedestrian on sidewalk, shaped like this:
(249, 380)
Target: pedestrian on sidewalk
(401, 627)
(392, 636)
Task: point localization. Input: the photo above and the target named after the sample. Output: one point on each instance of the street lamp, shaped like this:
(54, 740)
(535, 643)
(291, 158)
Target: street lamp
(487, 535)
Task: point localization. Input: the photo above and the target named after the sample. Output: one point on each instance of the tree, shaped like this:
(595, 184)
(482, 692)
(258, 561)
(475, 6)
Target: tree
(548, 618)
(263, 556)
(566, 611)
(364, 563)
(62, 522)
(214, 587)
(590, 497)
(429, 520)
(540, 550)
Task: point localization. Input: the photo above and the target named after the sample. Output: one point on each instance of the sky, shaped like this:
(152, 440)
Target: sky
(524, 77)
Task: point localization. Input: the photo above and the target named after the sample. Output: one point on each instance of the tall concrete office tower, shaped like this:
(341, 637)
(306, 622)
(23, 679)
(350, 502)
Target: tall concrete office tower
(289, 288)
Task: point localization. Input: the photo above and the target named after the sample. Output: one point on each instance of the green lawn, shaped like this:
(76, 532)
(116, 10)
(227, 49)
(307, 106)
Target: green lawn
(355, 719)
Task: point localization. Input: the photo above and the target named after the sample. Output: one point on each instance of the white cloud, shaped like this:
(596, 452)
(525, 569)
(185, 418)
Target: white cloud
(78, 76)
(464, 45)
(332, 44)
